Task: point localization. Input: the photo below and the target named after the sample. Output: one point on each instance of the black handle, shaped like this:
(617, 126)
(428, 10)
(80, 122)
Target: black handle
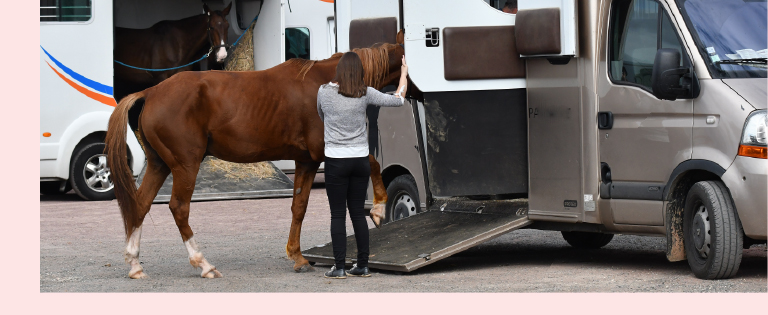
(604, 120)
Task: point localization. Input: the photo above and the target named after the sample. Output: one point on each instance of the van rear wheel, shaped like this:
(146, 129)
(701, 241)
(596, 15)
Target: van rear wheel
(712, 231)
(587, 240)
(90, 176)
(402, 198)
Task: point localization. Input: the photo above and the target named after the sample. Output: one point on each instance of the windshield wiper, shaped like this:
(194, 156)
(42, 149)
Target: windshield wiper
(749, 61)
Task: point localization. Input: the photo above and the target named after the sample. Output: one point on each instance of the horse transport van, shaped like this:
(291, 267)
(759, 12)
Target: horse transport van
(593, 118)
(77, 70)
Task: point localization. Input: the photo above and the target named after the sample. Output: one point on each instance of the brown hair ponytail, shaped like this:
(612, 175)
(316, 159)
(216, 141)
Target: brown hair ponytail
(349, 75)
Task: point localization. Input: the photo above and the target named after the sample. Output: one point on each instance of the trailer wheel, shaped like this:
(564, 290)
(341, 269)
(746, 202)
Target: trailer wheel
(402, 198)
(712, 231)
(587, 240)
(54, 188)
(90, 176)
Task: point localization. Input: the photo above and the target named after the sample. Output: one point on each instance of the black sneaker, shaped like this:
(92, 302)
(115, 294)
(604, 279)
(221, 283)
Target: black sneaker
(359, 272)
(336, 273)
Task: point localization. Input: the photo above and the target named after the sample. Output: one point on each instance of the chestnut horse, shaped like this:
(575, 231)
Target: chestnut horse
(241, 117)
(167, 44)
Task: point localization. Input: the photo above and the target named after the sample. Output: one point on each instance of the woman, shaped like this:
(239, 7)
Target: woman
(341, 104)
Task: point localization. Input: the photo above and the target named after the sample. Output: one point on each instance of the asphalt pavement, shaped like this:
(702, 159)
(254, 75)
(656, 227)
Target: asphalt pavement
(81, 245)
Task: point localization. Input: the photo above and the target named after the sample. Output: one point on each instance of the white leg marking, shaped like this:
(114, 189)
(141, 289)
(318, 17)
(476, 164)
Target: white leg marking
(132, 255)
(197, 260)
(221, 53)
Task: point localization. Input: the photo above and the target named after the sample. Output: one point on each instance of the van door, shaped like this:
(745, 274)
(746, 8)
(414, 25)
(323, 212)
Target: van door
(463, 56)
(269, 36)
(648, 137)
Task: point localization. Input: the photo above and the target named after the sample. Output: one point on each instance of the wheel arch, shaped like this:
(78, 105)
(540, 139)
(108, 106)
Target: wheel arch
(689, 172)
(392, 171)
(86, 129)
(95, 137)
(675, 193)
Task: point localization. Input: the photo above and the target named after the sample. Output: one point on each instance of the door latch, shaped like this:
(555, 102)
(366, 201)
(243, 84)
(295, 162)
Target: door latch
(433, 37)
(604, 120)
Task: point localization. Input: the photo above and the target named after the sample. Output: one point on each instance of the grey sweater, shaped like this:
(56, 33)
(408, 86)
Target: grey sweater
(344, 118)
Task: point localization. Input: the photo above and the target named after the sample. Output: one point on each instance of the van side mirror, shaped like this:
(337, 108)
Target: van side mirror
(665, 78)
(667, 75)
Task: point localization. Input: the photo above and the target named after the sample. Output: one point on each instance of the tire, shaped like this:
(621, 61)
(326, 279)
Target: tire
(54, 188)
(89, 175)
(402, 198)
(587, 240)
(712, 231)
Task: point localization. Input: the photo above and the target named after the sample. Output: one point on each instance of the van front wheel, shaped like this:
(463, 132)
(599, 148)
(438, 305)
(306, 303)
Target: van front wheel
(712, 231)
(90, 176)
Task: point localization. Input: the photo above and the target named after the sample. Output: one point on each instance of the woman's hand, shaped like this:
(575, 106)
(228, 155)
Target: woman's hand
(403, 86)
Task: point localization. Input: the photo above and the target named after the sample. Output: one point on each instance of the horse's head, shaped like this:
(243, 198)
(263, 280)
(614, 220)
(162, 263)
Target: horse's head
(218, 29)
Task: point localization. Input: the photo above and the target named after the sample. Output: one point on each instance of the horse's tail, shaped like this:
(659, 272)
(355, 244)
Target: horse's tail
(117, 159)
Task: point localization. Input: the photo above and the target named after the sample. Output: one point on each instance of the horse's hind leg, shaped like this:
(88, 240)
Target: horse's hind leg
(302, 184)
(181, 195)
(153, 180)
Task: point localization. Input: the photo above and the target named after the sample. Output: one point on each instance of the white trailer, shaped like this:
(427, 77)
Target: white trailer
(77, 72)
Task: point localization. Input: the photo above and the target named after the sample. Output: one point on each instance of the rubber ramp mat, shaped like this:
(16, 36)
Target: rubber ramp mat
(214, 185)
(425, 238)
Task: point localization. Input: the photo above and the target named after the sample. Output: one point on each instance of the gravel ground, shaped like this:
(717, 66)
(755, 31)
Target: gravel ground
(81, 246)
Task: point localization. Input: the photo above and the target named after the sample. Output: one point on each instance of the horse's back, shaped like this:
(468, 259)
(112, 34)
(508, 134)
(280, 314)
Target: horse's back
(240, 112)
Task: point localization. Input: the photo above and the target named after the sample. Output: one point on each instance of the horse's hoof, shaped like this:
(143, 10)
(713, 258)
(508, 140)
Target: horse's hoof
(377, 214)
(138, 275)
(303, 268)
(212, 274)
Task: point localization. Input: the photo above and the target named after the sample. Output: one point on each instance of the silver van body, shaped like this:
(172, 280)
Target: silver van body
(604, 150)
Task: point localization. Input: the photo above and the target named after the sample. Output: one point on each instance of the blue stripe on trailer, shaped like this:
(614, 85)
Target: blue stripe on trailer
(106, 89)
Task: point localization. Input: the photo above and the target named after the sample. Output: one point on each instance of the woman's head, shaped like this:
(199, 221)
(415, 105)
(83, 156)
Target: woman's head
(349, 75)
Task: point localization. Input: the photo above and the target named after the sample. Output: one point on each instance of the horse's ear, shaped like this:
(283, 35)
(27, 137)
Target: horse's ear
(225, 12)
(206, 9)
(401, 37)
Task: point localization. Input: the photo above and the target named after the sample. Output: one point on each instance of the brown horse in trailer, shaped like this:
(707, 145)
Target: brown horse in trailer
(167, 44)
(239, 117)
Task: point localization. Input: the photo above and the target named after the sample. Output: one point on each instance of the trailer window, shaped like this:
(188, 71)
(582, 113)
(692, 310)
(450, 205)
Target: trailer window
(638, 29)
(65, 10)
(297, 43)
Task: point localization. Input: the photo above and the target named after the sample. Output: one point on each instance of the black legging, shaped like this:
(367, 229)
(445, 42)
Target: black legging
(346, 182)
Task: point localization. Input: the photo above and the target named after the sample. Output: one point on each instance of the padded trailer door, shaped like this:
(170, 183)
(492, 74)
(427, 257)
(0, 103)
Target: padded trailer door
(422, 239)
(361, 23)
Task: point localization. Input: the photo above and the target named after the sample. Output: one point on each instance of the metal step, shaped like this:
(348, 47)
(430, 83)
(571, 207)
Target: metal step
(419, 240)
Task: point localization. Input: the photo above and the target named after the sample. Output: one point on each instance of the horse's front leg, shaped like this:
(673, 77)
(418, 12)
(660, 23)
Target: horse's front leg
(378, 212)
(302, 184)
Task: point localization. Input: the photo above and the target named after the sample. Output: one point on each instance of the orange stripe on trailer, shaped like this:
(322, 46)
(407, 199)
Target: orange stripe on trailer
(753, 151)
(329, 1)
(96, 96)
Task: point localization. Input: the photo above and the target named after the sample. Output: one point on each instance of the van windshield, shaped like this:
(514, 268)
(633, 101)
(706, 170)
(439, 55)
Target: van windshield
(730, 34)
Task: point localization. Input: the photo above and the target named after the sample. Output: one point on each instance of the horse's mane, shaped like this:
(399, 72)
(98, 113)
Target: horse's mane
(375, 63)
(303, 64)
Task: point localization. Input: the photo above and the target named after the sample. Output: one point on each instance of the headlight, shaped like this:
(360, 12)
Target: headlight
(753, 138)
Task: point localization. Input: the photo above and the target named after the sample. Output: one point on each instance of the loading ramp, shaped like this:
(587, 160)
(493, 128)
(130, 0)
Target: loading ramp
(212, 184)
(448, 228)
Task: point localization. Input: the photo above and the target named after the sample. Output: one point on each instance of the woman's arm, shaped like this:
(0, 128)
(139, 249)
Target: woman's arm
(403, 86)
(377, 98)
(320, 108)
